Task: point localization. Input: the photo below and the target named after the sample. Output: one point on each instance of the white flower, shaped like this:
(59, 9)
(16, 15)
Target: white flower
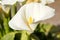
(10, 2)
(3, 3)
(28, 16)
(47, 1)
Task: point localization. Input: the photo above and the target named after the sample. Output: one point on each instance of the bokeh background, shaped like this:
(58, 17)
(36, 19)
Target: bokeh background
(56, 19)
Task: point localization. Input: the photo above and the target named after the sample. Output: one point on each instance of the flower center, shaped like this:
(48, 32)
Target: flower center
(30, 20)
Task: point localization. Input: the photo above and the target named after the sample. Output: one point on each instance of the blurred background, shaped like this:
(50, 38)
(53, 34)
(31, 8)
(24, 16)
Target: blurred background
(46, 30)
(56, 19)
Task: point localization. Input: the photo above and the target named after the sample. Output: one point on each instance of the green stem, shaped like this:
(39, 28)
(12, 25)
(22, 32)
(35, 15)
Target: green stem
(13, 10)
(6, 27)
(0, 35)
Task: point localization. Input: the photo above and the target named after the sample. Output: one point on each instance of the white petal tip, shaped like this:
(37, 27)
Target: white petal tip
(11, 25)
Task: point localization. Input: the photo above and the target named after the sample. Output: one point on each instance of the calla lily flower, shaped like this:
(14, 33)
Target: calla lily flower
(28, 16)
(47, 1)
(3, 3)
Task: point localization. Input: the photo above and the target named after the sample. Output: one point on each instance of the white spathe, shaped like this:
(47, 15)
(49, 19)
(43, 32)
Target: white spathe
(18, 22)
(47, 1)
(37, 11)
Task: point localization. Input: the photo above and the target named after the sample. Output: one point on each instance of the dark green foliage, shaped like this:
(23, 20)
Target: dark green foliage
(17, 36)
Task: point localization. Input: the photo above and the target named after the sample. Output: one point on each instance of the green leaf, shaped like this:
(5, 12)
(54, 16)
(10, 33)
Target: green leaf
(47, 28)
(25, 35)
(5, 23)
(9, 36)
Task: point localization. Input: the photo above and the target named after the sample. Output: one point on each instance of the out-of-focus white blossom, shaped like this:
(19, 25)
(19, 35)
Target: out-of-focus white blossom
(47, 1)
